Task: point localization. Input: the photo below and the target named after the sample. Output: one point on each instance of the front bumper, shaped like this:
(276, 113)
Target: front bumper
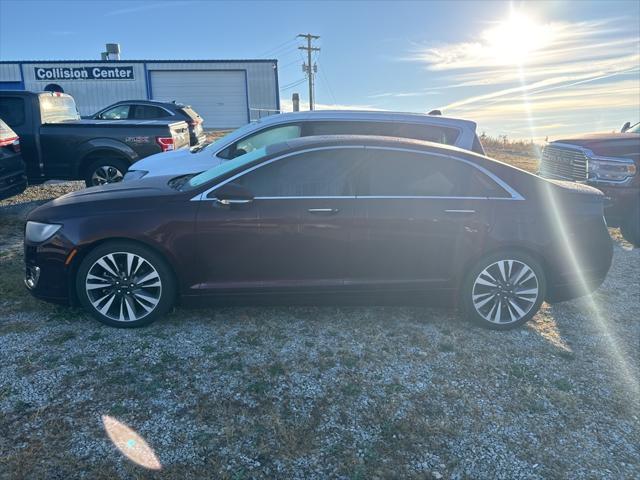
(49, 270)
(620, 201)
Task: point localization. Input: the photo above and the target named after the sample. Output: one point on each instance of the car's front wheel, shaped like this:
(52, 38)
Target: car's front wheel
(503, 290)
(124, 284)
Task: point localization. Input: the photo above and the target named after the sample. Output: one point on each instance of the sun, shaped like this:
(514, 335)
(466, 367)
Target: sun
(516, 39)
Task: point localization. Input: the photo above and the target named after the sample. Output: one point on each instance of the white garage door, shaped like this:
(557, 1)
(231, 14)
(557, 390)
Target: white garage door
(219, 97)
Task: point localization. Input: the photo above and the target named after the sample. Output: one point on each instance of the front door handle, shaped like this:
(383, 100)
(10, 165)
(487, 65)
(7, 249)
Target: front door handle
(323, 210)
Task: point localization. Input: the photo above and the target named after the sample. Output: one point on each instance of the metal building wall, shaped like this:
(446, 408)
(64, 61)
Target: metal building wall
(91, 95)
(262, 85)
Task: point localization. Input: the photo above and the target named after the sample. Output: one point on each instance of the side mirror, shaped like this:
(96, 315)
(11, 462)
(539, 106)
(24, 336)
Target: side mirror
(231, 194)
(625, 127)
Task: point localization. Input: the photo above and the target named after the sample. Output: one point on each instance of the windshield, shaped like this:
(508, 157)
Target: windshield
(222, 169)
(635, 128)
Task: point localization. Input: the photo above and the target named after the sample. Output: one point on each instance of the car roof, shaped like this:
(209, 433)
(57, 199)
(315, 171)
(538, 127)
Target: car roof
(319, 141)
(152, 102)
(365, 115)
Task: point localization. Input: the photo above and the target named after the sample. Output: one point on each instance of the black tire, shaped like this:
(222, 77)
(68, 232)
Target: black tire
(507, 291)
(630, 228)
(111, 169)
(131, 305)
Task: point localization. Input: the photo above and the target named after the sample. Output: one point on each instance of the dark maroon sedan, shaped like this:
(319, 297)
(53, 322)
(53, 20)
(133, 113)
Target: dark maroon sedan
(347, 218)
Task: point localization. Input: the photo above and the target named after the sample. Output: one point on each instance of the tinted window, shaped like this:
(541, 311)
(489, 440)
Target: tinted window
(12, 111)
(148, 112)
(261, 139)
(121, 112)
(312, 174)
(432, 133)
(394, 173)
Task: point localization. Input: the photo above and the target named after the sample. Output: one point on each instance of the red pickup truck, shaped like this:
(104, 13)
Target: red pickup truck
(607, 161)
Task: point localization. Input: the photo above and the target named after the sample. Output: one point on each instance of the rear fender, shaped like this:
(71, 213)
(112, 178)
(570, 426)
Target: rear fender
(107, 145)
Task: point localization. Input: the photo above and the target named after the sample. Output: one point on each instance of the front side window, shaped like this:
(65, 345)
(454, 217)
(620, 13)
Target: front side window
(120, 112)
(261, 139)
(148, 112)
(415, 131)
(322, 173)
(399, 173)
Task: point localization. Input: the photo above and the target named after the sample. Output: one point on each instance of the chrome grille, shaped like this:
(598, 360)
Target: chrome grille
(563, 163)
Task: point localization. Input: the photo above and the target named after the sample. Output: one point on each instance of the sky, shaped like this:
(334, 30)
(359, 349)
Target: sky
(528, 70)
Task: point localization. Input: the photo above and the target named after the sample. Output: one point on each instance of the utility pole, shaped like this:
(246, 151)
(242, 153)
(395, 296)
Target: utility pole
(307, 67)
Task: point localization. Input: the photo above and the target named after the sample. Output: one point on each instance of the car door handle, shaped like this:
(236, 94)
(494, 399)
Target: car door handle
(323, 210)
(461, 211)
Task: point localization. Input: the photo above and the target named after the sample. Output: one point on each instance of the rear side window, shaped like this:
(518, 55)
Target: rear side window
(325, 173)
(119, 112)
(432, 133)
(261, 139)
(12, 111)
(398, 173)
(148, 112)
(57, 108)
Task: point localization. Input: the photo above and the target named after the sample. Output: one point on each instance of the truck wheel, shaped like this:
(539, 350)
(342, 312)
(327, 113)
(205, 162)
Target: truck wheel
(630, 227)
(106, 170)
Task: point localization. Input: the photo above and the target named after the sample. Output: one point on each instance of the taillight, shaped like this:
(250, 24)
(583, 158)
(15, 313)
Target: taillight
(6, 141)
(195, 123)
(166, 143)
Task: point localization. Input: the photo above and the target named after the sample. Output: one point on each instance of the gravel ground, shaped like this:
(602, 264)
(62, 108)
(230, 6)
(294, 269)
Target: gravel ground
(314, 393)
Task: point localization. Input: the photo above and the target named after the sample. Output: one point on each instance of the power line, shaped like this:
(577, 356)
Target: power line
(273, 50)
(293, 84)
(309, 69)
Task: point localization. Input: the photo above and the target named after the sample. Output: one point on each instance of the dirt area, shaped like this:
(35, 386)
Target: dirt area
(317, 392)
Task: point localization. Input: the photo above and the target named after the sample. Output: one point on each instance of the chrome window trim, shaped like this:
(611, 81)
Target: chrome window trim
(515, 195)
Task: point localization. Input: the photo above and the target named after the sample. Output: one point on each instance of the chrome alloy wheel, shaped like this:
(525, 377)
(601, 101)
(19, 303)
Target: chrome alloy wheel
(123, 286)
(505, 291)
(106, 174)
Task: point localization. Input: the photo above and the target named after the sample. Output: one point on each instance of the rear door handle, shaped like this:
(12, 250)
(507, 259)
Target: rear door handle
(323, 210)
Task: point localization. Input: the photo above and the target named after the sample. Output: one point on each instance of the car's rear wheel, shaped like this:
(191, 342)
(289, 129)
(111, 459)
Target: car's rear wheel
(106, 170)
(630, 228)
(124, 284)
(503, 290)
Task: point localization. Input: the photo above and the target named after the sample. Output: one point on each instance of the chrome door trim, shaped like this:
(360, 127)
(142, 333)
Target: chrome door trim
(515, 195)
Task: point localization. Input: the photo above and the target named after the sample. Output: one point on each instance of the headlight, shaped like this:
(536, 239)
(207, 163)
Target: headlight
(39, 232)
(610, 169)
(135, 174)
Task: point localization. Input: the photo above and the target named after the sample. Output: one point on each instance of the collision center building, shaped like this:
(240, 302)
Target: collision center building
(226, 93)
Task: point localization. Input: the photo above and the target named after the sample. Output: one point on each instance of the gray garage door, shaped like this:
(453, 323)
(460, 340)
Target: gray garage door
(220, 97)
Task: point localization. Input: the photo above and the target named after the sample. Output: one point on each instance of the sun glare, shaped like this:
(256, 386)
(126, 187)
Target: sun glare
(514, 40)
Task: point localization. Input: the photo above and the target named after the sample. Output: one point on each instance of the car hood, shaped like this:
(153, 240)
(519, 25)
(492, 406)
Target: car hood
(606, 144)
(179, 162)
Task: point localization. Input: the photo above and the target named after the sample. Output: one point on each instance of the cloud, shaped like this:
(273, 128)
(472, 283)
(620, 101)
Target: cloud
(143, 7)
(522, 74)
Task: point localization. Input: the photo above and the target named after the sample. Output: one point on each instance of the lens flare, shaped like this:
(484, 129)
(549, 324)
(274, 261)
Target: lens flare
(130, 444)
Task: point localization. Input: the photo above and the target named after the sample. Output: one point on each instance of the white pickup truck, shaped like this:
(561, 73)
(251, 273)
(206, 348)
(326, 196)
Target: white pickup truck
(286, 126)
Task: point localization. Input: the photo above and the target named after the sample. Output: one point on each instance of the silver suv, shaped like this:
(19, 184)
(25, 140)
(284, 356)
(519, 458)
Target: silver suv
(286, 126)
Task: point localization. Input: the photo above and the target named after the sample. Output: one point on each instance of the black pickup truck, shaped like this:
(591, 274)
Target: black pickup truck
(57, 144)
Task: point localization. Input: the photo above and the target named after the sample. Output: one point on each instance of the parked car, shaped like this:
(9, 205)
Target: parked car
(154, 110)
(608, 161)
(286, 126)
(348, 218)
(56, 144)
(13, 179)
